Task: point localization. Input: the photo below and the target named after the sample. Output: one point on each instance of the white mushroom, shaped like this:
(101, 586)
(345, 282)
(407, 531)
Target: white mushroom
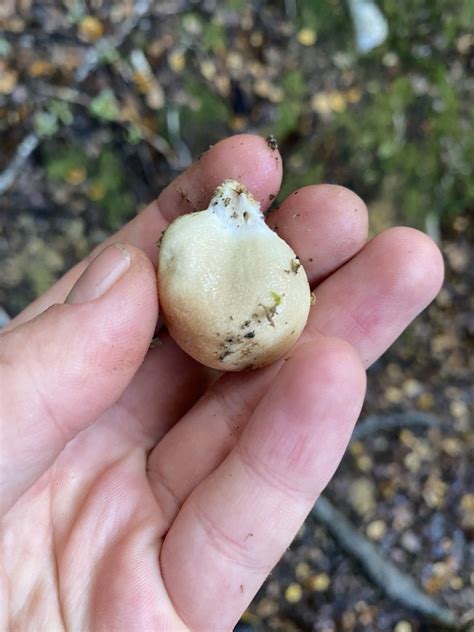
(233, 294)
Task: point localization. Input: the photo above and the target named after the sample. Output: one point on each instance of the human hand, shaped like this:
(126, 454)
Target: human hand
(138, 491)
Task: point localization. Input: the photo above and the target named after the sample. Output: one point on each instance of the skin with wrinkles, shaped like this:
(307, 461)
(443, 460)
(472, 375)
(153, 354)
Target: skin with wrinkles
(142, 491)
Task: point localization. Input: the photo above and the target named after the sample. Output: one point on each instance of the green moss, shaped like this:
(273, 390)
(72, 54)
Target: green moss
(62, 160)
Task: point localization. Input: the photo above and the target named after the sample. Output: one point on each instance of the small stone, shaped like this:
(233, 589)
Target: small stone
(403, 626)
(319, 582)
(293, 593)
(376, 530)
(306, 37)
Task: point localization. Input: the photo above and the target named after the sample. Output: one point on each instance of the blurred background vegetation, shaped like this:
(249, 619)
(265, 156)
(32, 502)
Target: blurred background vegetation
(102, 103)
(123, 95)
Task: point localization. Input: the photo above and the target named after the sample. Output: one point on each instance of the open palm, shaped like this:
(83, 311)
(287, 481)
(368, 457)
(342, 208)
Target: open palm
(142, 491)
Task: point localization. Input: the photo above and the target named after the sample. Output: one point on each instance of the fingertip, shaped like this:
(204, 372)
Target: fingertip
(246, 158)
(326, 224)
(249, 159)
(417, 263)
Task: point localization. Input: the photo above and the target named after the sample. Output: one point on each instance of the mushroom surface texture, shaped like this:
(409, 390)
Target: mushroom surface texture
(233, 294)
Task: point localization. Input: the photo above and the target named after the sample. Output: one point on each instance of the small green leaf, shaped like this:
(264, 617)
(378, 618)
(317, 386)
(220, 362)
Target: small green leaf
(105, 106)
(46, 124)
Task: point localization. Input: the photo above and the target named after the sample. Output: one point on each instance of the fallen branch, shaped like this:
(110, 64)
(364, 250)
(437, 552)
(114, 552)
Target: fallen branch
(23, 152)
(95, 53)
(385, 575)
(392, 421)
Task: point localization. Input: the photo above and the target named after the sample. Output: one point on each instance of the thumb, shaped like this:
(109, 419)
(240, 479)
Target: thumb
(64, 368)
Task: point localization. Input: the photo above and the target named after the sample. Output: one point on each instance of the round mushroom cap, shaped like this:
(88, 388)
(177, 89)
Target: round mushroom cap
(233, 294)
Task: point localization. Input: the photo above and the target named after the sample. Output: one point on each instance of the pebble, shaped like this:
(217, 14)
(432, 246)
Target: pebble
(403, 626)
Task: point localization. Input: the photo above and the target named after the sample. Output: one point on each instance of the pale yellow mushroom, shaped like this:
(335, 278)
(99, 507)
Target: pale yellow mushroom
(233, 294)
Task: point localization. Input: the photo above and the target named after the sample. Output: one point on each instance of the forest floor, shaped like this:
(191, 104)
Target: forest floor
(116, 98)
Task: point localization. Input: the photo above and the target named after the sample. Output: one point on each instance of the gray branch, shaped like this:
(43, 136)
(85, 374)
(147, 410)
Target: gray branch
(385, 575)
(392, 421)
(23, 152)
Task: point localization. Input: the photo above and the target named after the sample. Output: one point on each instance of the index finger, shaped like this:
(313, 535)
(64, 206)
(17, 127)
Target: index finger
(244, 157)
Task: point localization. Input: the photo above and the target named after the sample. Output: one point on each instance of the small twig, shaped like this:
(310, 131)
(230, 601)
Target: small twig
(93, 56)
(385, 575)
(392, 421)
(22, 153)
(174, 129)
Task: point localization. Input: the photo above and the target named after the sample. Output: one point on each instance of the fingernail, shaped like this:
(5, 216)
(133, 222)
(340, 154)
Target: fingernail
(101, 274)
